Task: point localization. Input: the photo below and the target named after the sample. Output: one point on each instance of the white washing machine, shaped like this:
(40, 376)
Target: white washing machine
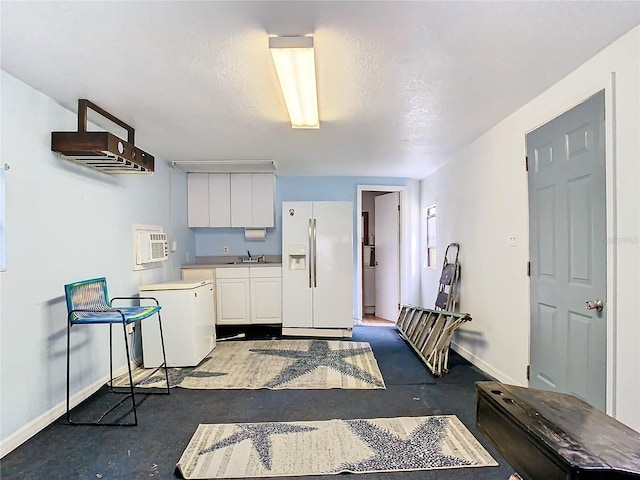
(187, 323)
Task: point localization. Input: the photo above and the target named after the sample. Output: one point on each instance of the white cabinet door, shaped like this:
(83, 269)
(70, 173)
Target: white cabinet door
(266, 300)
(197, 200)
(241, 200)
(262, 199)
(219, 200)
(233, 301)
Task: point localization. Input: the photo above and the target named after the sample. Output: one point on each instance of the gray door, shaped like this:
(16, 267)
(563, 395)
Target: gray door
(567, 232)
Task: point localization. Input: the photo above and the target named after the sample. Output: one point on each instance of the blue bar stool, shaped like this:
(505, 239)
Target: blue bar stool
(88, 304)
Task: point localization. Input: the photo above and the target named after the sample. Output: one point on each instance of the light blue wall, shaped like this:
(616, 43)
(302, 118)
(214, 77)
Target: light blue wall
(66, 222)
(211, 241)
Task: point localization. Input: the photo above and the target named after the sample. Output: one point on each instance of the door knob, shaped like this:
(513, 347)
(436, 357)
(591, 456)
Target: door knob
(594, 305)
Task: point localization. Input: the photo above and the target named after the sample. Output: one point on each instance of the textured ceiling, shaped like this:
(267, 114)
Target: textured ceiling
(401, 85)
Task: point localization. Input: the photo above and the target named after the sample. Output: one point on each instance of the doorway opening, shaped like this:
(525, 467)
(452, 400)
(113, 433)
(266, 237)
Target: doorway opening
(378, 254)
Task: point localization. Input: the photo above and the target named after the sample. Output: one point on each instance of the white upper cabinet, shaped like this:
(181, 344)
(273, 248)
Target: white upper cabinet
(241, 200)
(219, 200)
(262, 201)
(198, 200)
(231, 200)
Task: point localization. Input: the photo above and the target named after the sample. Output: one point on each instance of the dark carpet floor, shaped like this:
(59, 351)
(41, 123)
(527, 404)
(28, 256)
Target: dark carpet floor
(152, 449)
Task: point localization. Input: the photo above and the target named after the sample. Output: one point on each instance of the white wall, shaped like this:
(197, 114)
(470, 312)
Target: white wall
(482, 201)
(65, 223)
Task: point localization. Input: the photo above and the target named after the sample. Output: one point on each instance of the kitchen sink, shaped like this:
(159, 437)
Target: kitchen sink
(247, 262)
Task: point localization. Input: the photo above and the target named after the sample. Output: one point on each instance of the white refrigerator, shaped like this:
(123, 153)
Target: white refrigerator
(317, 270)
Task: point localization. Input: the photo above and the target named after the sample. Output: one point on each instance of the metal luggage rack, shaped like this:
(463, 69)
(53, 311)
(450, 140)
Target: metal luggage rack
(429, 332)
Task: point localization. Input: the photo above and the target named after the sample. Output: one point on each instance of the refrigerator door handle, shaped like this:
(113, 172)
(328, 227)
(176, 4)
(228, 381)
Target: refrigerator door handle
(310, 249)
(315, 254)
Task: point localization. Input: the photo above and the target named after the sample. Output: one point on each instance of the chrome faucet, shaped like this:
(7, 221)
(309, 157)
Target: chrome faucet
(251, 259)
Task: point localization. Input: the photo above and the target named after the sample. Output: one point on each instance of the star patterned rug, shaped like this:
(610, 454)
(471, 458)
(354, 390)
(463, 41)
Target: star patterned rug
(274, 364)
(272, 449)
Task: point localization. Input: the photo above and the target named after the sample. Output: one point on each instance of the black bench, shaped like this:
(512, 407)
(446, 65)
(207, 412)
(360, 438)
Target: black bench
(549, 436)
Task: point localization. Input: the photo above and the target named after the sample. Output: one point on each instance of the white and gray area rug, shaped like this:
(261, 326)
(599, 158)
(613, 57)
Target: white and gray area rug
(272, 449)
(275, 364)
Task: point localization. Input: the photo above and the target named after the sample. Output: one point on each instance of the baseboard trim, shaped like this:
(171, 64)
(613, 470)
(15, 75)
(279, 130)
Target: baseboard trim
(318, 332)
(484, 366)
(23, 434)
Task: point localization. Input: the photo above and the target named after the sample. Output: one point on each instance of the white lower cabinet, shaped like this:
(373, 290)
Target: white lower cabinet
(249, 295)
(266, 295)
(232, 285)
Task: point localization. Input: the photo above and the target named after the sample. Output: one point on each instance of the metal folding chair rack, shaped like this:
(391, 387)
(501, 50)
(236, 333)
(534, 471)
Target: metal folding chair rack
(429, 333)
(87, 304)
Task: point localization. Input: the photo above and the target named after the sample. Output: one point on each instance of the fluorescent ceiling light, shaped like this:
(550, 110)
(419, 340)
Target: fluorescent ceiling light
(295, 65)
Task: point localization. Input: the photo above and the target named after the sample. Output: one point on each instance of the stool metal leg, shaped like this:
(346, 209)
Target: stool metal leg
(164, 355)
(126, 347)
(130, 393)
(68, 367)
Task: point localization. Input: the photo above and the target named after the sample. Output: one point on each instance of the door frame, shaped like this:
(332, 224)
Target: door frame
(375, 188)
(608, 86)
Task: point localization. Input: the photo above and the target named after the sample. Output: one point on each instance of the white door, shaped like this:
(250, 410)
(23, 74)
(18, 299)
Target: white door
(387, 235)
(568, 253)
(333, 265)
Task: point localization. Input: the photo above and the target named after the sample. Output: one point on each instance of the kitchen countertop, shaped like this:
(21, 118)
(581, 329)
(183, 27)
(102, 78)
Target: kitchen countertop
(233, 261)
(232, 265)
(175, 285)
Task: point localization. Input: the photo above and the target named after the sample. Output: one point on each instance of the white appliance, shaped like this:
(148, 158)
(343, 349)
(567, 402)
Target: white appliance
(369, 279)
(317, 270)
(151, 247)
(369, 290)
(188, 325)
